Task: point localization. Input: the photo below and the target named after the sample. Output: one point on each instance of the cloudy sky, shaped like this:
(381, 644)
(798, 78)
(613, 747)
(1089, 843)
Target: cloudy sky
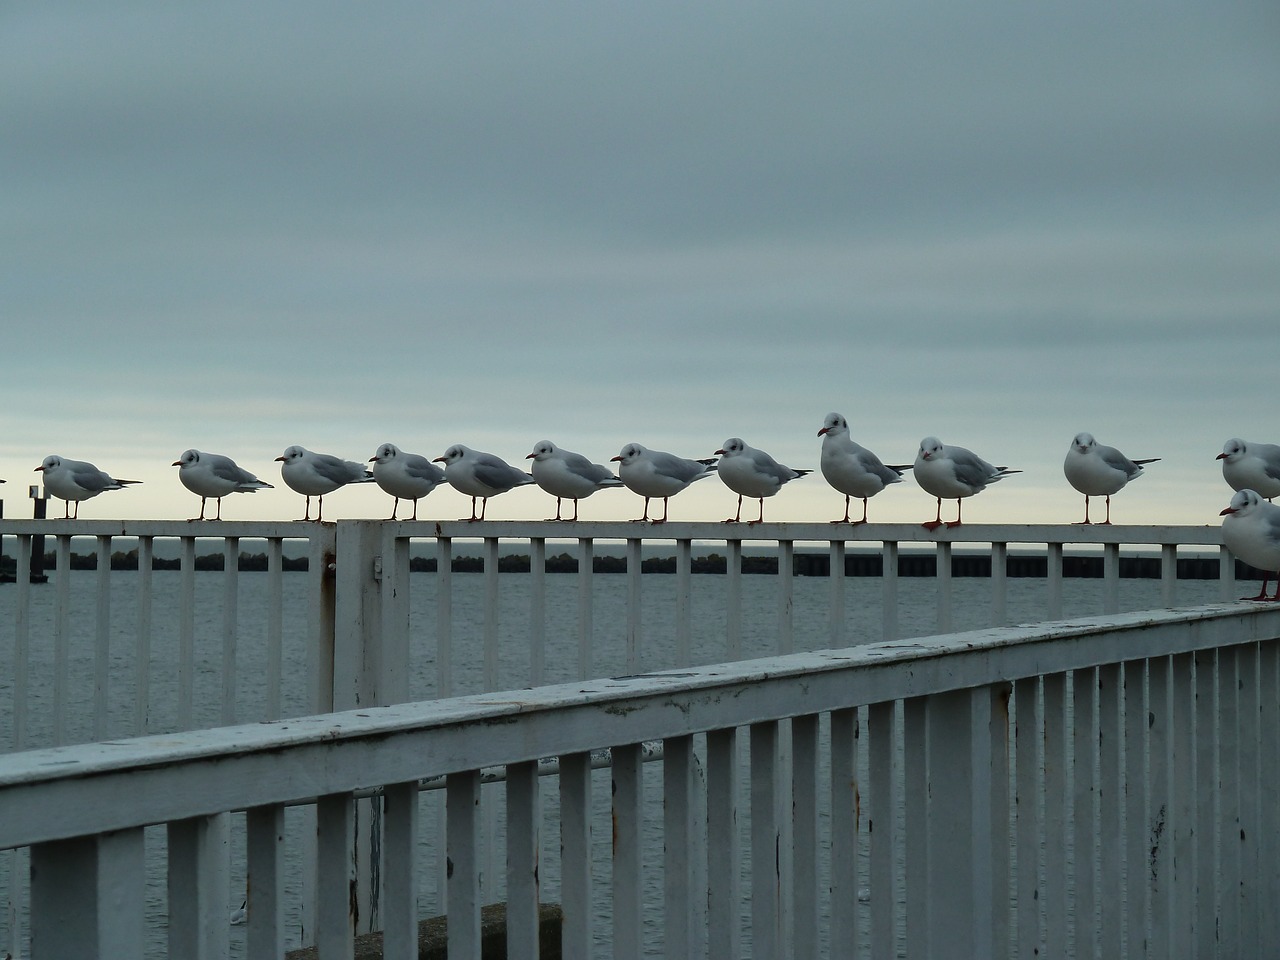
(239, 226)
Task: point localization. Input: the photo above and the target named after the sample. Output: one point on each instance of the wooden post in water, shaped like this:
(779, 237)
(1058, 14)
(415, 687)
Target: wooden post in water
(39, 503)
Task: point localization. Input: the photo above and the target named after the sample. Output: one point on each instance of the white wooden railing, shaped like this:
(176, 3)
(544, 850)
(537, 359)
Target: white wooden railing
(364, 643)
(1098, 788)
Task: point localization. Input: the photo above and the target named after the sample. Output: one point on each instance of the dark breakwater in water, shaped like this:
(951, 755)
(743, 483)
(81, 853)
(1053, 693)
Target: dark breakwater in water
(816, 563)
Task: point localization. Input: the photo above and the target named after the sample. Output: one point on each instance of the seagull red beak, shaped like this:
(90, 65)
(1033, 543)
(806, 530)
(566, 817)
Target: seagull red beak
(37, 470)
(438, 460)
(176, 463)
(279, 459)
(611, 460)
(823, 430)
(1226, 511)
(1221, 456)
(531, 456)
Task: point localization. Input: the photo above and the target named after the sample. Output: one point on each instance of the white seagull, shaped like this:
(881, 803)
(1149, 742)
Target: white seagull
(315, 474)
(653, 473)
(852, 469)
(563, 473)
(212, 475)
(1251, 531)
(480, 475)
(1097, 470)
(406, 476)
(953, 473)
(1251, 466)
(76, 480)
(749, 472)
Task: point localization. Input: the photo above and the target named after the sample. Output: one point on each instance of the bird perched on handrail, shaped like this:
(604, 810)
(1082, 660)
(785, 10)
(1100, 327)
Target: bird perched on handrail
(1097, 470)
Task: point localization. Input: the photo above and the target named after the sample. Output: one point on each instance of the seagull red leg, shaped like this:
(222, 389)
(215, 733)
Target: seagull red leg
(956, 521)
(936, 522)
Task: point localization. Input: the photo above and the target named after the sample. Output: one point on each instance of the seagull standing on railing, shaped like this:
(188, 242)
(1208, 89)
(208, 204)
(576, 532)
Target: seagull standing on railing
(852, 469)
(1251, 531)
(654, 473)
(953, 473)
(1097, 470)
(406, 476)
(1251, 466)
(563, 473)
(749, 472)
(315, 474)
(212, 475)
(480, 475)
(76, 480)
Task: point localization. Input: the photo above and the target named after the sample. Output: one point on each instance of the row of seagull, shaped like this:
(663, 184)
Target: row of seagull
(944, 471)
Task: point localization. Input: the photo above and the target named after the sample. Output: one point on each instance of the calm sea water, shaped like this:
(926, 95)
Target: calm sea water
(971, 606)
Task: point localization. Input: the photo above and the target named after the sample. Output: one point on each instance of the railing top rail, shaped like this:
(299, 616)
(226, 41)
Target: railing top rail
(287, 761)
(244, 529)
(768, 532)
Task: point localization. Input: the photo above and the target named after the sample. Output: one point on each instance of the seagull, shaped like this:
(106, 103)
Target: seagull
(1251, 531)
(240, 914)
(1097, 470)
(76, 480)
(852, 469)
(315, 474)
(749, 472)
(563, 473)
(404, 475)
(652, 473)
(1253, 466)
(480, 475)
(953, 473)
(211, 475)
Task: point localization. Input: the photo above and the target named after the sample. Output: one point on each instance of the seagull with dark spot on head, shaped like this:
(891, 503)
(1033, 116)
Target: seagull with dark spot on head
(655, 473)
(213, 475)
(1251, 466)
(480, 475)
(315, 474)
(749, 472)
(563, 473)
(76, 480)
(953, 473)
(852, 469)
(1097, 470)
(1251, 531)
(406, 476)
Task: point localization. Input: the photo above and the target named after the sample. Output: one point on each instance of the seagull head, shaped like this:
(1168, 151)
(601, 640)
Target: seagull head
(50, 463)
(386, 452)
(292, 454)
(188, 458)
(542, 450)
(628, 453)
(834, 424)
(1083, 442)
(1242, 504)
(452, 455)
(1232, 450)
(930, 448)
(732, 447)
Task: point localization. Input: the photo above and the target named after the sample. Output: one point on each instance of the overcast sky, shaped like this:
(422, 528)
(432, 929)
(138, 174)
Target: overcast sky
(240, 226)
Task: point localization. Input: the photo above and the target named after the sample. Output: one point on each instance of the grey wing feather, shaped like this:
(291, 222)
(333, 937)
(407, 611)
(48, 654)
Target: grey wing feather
(678, 468)
(873, 465)
(225, 468)
(582, 467)
(971, 468)
(1271, 521)
(91, 478)
(340, 471)
(498, 474)
(420, 468)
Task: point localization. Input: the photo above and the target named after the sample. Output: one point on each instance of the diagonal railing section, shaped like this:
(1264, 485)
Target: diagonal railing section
(1145, 834)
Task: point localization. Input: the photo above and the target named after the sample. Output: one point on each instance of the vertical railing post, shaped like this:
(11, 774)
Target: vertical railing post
(359, 566)
(88, 897)
(959, 875)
